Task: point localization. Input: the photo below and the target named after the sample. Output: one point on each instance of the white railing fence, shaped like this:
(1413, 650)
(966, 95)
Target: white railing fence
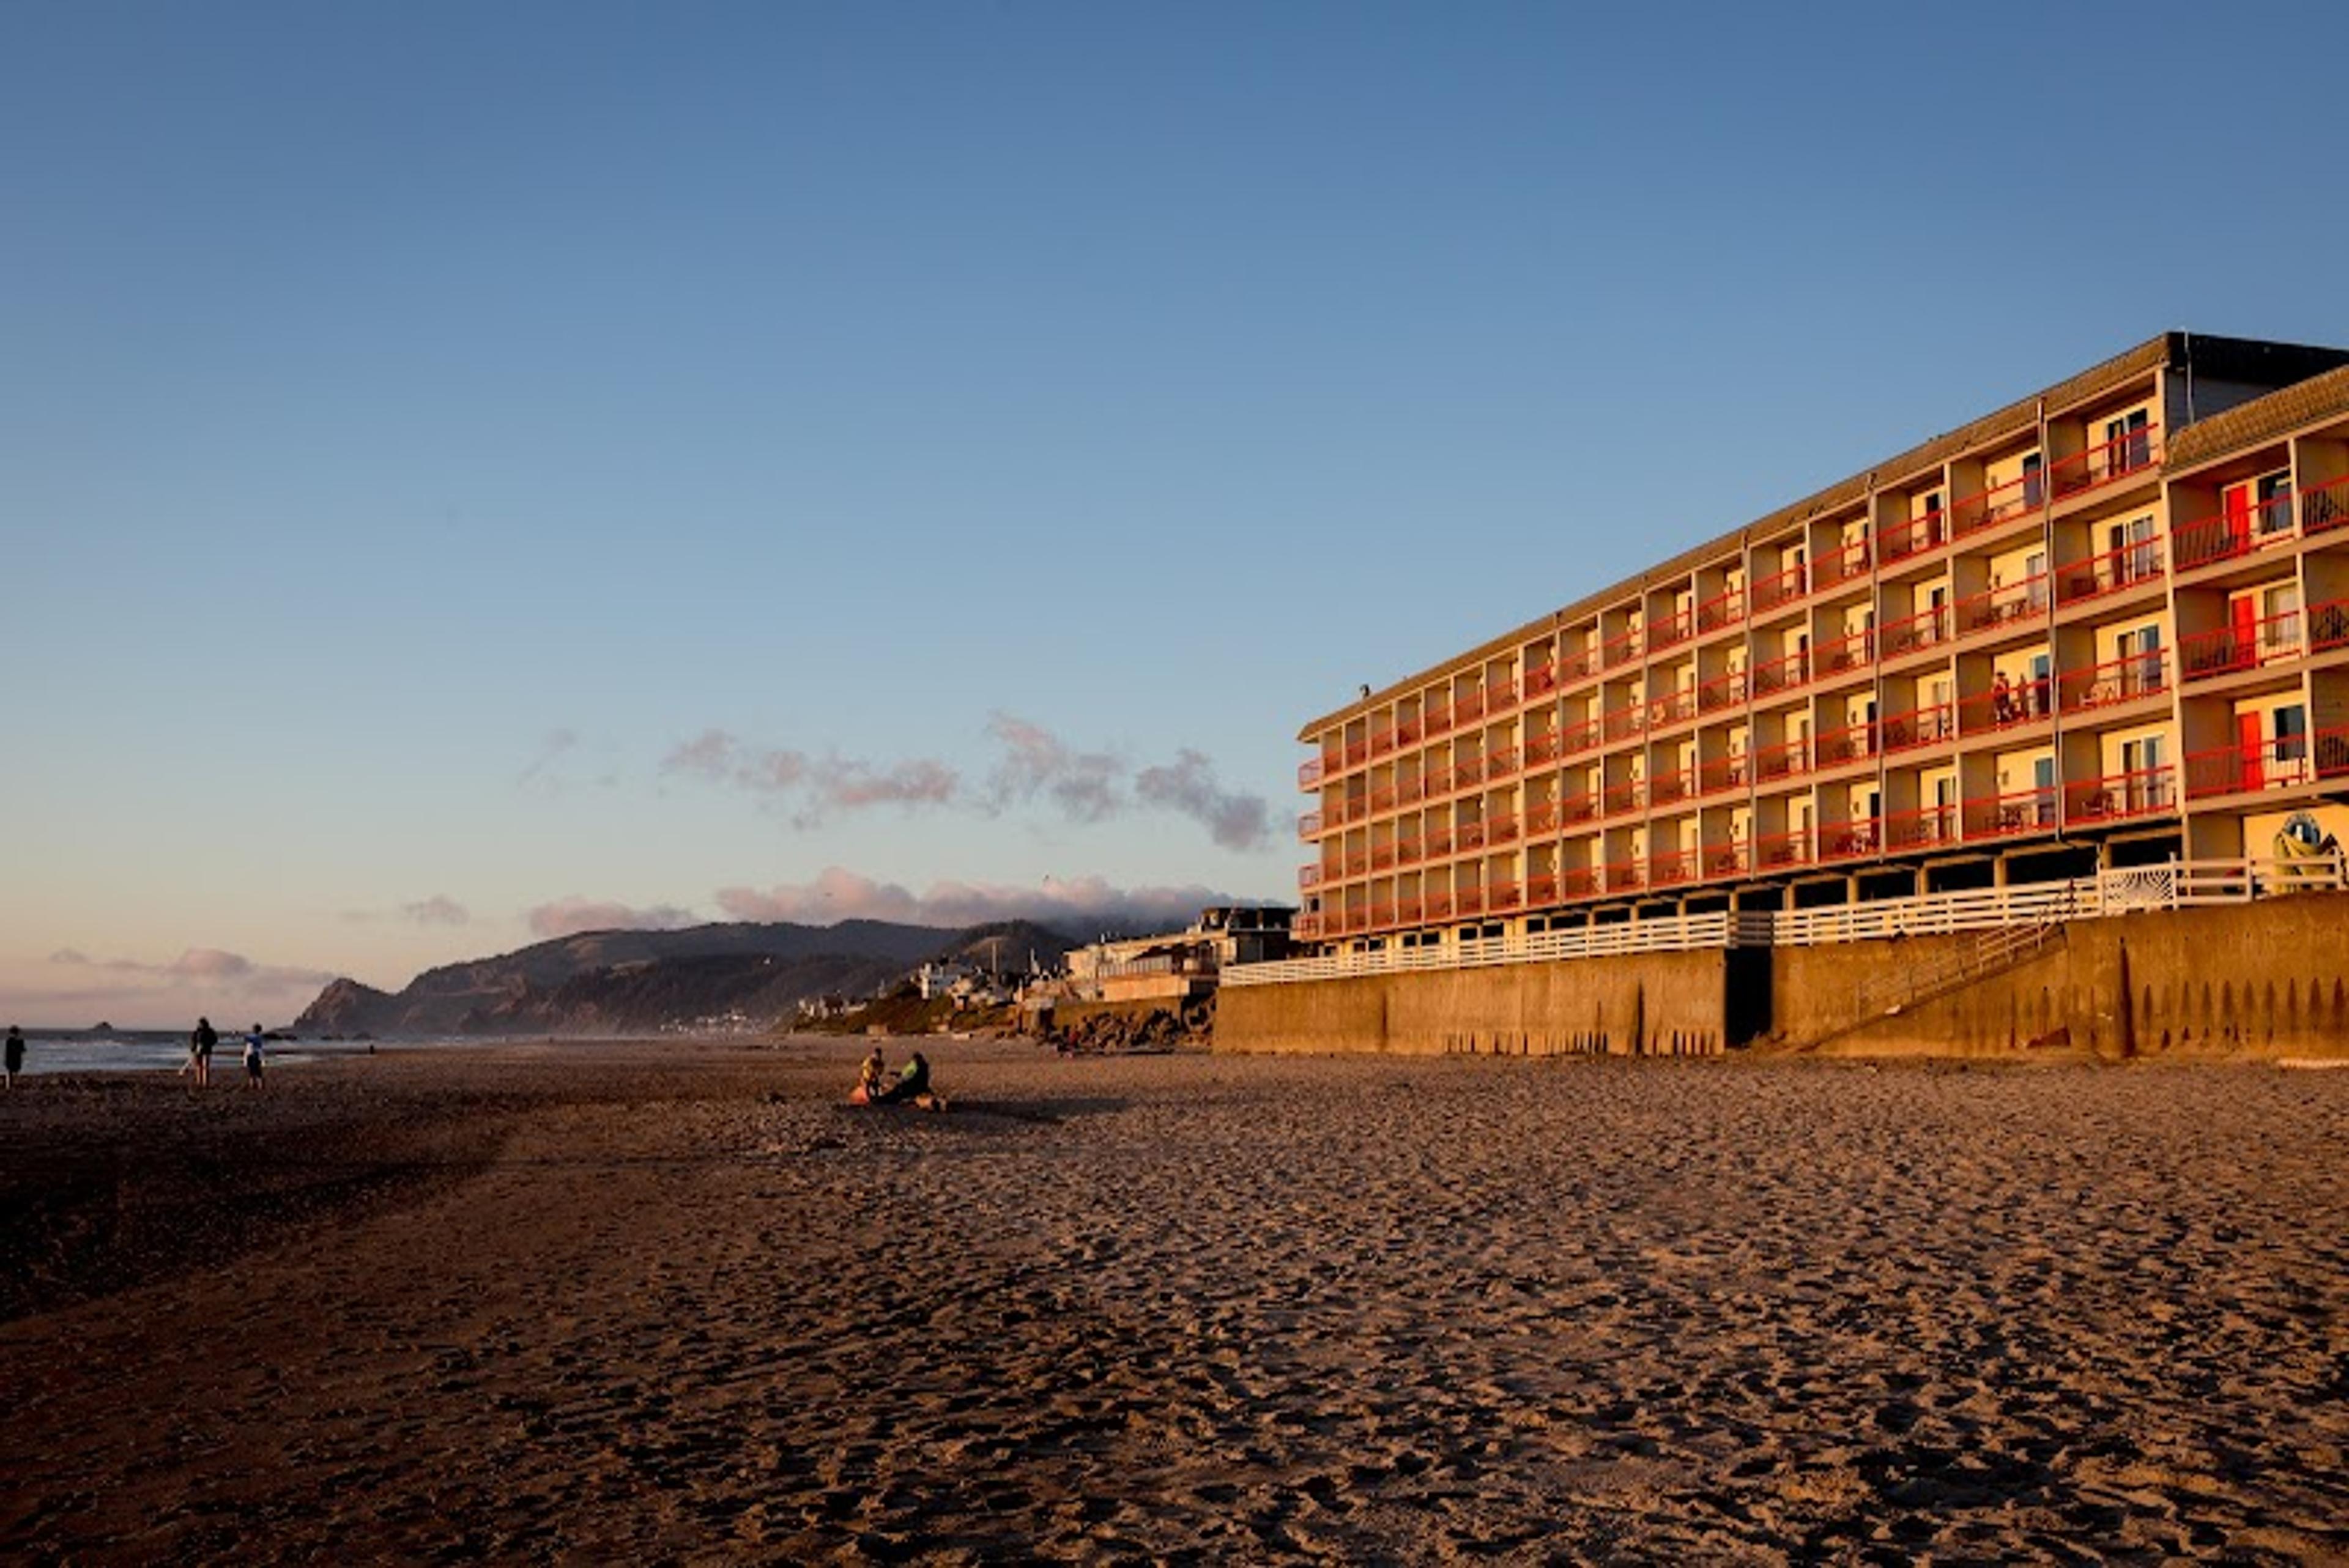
(2177, 884)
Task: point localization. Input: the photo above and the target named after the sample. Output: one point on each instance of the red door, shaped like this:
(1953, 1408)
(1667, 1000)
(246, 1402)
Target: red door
(2243, 646)
(2250, 746)
(2237, 501)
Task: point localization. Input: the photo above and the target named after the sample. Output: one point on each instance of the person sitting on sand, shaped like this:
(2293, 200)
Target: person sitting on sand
(253, 1058)
(870, 1077)
(912, 1081)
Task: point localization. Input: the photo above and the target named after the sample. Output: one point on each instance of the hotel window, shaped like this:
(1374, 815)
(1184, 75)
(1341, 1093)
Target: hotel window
(2279, 621)
(2289, 729)
(2043, 789)
(2128, 443)
(2141, 783)
(2272, 503)
(2034, 480)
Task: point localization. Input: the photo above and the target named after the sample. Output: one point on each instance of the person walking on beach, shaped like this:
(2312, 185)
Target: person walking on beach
(200, 1051)
(15, 1054)
(253, 1058)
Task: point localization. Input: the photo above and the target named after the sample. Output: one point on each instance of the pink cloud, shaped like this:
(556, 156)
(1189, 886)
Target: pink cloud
(1078, 907)
(569, 916)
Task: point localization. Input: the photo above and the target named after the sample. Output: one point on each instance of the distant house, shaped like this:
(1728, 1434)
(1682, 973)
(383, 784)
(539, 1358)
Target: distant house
(1179, 965)
(940, 978)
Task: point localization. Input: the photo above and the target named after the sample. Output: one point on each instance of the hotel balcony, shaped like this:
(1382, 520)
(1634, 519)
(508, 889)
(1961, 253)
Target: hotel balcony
(1927, 628)
(1721, 612)
(1924, 827)
(1780, 589)
(1835, 567)
(2003, 606)
(1918, 727)
(2004, 708)
(2114, 681)
(2233, 533)
(1920, 536)
(2008, 815)
(2250, 643)
(1782, 675)
(2108, 462)
(2120, 797)
(2285, 762)
(2110, 572)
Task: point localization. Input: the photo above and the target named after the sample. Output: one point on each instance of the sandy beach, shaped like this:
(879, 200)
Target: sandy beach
(677, 1304)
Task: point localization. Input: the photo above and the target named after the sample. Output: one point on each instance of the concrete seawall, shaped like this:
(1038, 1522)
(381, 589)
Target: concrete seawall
(2264, 979)
(1651, 1004)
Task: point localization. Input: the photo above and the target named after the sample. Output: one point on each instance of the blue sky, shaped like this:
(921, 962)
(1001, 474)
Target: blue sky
(469, 471)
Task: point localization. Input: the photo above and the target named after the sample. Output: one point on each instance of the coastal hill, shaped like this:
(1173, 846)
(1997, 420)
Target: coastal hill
(603, 982)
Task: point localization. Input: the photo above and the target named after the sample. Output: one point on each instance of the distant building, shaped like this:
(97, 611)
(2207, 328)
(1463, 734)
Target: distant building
(1178, 965)
(940, 978)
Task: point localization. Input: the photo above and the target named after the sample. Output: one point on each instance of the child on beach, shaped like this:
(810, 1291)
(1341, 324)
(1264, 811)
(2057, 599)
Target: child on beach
(869, 1077)
(200, 1051)
(253, 1058)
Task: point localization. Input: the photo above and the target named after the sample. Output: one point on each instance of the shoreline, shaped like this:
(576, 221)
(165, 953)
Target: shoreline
(663, 1302)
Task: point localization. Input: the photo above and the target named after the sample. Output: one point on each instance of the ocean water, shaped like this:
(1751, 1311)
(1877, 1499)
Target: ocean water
(148, 1051)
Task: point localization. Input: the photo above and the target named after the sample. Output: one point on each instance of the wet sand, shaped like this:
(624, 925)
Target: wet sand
(677, 1304)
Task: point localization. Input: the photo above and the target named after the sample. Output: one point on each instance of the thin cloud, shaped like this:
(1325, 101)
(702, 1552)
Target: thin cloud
(202, 967)
(540, 774)
(436, 911)
(1033, 767)
(1233, 820)
(569, 916)
(818, 787)
(1077, 906)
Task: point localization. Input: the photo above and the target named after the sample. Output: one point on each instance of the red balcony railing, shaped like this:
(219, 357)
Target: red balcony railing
(2325, 507)
(1723, 690)
(1541, 888)
(1502, 829)
(1670, 789)
(1780, 588)
(1672, 869)
(1843, 565)
(1437, 720)
(1382, 798)
(1720, 775)
(1917, 727)
(1358, 865)
(1409, 851)
(1307, 926)
(1439, 781)
(2117, 797)
(2108, 573)
(1787, 759)
(1621, 648)
(1576, 808)
(1382, 858)
(2005, 705)
(2328, 626)
(1928, 531)
(1924, 827)
(2004, 605)
(2279, 763)
(1438, 842)
(2114, 681)
(1578, 882)
(1471, 900)
(1382, 916)
(1725, 610)
(1310, 824)
(2244, 525)
(1846, 841)
(1541, 817)
(1469, 706)
(1503, 764)
(1579, 665)
(1358, 751)
(1673, 707)
(1624, 722)
(1929, 628)
(1409, 732)
(1852, 744)
(1504, 897)
(1469, 771)
(1545, 749)
(1625, 876)
(1782, 674)
(2000, 504)
(1382, 742)
(2111, 461)
(1671, 631)
(1579, 735)
(1308, 875)
(1309, 775)
(2245, 645)
(1472, 835)
(1410, 791)
(1409, 910)
(1734, 858)
(1629, 796)
(2008, 816)
(1845, 654)
(1540, 678)
(1436, 907)
(1775, 851)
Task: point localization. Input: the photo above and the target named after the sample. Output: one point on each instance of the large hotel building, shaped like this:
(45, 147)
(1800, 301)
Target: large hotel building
(2107, 624)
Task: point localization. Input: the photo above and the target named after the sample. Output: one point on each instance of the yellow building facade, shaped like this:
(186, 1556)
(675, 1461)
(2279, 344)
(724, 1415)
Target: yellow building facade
(2107, 624)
